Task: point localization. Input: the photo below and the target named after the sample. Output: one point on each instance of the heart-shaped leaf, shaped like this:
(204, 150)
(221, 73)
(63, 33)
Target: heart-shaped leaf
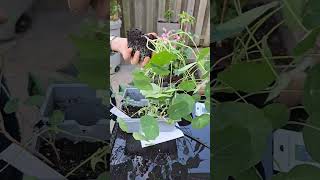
(150, 127)
(141, 81)
(187, 85)
(201, 121)
(248, 76)
(11, 106)
(278, 114)
(122, 124)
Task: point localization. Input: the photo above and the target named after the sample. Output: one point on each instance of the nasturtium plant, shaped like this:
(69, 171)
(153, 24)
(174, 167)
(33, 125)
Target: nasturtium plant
(171, 81)
(254, 83)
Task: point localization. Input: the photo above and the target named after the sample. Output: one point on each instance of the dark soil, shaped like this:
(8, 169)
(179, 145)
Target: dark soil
(131, 111)
(71, 155)
(138, 42)
(166, 80)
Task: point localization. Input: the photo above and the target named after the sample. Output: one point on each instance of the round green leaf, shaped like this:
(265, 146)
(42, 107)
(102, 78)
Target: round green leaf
(300, 172)
(248, 76)
(161, 58)
(231, 151)
(278, 114)
(56, 118)
(138, 136)
(141, 81)
(201, 121)
(249, 174)
(311, 94)
(246, 116)
(122, 124)
(160, 70)
(311, 136)
(187, 85)
(150, 127)
(11, 106)
(182, 105)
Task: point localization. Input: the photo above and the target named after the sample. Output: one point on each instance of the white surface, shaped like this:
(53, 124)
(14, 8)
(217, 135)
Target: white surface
(286, 159)
(163, 136)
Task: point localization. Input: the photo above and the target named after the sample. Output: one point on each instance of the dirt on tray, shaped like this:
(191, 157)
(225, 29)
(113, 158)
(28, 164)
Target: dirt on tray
(71, 155)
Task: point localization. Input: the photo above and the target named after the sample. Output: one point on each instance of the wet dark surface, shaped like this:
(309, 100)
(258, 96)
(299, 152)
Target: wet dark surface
(183, 158)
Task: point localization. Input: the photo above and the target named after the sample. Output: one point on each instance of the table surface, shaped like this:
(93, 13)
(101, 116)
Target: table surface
(182, 158)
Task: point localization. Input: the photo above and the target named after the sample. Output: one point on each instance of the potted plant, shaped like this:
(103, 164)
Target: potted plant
(170, 103)
(168, 23)
(74, 144)
(248, 80)
(115, 26)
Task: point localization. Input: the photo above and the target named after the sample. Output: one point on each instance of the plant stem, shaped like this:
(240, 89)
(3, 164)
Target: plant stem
(104, 150)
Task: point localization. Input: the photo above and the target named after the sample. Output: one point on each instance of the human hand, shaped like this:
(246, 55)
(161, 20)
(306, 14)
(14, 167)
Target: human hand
(121, 45)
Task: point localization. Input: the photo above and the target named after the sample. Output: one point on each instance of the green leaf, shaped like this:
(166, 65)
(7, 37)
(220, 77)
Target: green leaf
(56, 118)
(248, 76)
(311, 16)
(182, 105)
(184, 68)
(278, 114)
(293, 12)
(201, 121)
(188, 118)
(249, 174)
(230, 155)
(150, 127)
(35, 100)
(311, 93)
(139, 137)
(279, 176)
(123, 125)
(141, 81)
(249, 117)
(204, 52)
(91, 64)
(238, 24)
(11, 106)
(160, 70)
(104, 176)
(26, 177)
(307, 43)
(161, 59)
(300, 172)
(311, 136)
(34, 87)
(187, 85)
(196, 97)
(207, 91)
(207, 104)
